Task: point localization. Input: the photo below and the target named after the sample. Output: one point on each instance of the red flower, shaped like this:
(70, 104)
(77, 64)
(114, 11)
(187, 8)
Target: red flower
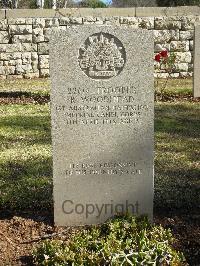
(158, 57)
(164, 53)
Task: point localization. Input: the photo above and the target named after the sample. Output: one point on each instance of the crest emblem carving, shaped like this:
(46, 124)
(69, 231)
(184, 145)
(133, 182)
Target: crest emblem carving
(102, 56)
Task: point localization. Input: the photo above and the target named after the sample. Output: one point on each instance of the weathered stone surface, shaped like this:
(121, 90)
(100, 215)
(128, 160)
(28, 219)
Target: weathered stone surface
(52, 22)
(38, 23)
(10, 48)
(20, 21)
(44, 72)
(169, 23)
(191, 45)
(196, 86)
(26, 58)
(183, 57)
(179, 46)
(20, 29)
(4, 37)
(7, 70)
(146, 23)
(38, 35)
(44, 61)
(31, 75)
(28, 47)
(166, 35)
(22, 39)
(3, 24)
(181, 67)
(102, 124)
(43, 48)
(129, 21)
(188, 22)
(186, 35)
(159, 47)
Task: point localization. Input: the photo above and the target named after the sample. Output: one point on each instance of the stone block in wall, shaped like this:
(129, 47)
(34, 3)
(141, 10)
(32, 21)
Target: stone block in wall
(4, 56)
(22, 38)
(186, 35)
(1, 63)
(163, 36)
(34, 56)
(38, 35)
(44, 72)
(111, 21)
(146, 23)
(161, 75)
(26, 58)
(28, 47)
(23, 69)
(159, 47)
(181, 67)
(10, 48)
(174, 75)
(133, 21)
(47, 34)
(179, 46)
(191, 45)
(20, 21)
(99, 21)
(169, 23)
(38, 23)
(20, 29)
(76, 20)
(89, 20)
(3, 24)
(64, 21)
(31, 75)
(188, 22)
(43, 48)
(35, 66)
(13, 62)
(4, 37)
(185, 74)
(185, 57)
(2, 77)
(43, 61)
(51, 22)
(7, 70)
(15, 56)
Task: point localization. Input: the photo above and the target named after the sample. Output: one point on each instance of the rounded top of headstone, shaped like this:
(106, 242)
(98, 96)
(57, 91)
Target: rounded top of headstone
(102, 56)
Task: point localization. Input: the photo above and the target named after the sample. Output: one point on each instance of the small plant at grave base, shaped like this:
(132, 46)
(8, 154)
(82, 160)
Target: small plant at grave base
(124, 240)
(164, 61)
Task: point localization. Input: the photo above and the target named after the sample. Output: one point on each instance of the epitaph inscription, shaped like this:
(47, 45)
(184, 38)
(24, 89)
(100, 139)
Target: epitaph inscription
(102, 56)
(102, 107)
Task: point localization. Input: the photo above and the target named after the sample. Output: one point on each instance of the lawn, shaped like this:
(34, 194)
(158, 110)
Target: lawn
(26, 155)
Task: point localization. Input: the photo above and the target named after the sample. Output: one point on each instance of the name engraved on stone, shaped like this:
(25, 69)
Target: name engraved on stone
(102, 105)
(102, 56)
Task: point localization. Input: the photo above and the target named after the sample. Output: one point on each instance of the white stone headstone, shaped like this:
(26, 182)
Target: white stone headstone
(102, 107)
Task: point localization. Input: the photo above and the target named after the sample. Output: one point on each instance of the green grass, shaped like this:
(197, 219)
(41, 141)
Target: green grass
(26, 156)
(26, 160)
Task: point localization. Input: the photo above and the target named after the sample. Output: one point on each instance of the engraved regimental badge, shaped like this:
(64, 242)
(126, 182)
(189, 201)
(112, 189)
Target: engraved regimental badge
(102, 56)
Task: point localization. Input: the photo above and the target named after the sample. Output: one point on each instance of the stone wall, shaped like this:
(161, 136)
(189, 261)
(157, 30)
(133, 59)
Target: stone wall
(24, 35)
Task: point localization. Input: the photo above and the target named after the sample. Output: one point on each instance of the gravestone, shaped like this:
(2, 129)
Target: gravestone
(196, 84)
(102, 107)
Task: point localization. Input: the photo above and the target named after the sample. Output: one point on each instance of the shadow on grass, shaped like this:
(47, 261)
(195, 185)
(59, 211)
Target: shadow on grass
(177, 155)
(26, 184)
(178, 119)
